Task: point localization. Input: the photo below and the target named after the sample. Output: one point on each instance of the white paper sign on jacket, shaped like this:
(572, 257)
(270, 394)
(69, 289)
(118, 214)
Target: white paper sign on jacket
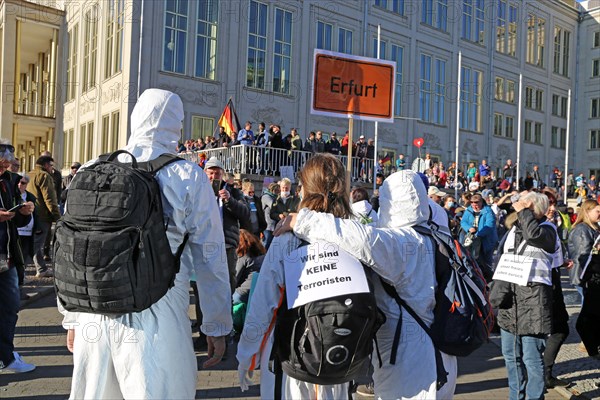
(514, 268)
(319, 271)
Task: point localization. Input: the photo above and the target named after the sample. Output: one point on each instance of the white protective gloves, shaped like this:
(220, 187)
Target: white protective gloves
(245, 378)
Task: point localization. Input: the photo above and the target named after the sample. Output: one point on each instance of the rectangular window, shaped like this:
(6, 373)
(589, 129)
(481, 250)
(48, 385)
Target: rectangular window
(425, 88)
(554, 140)
(499, 91)
(324, 36)
(427, 12)
(382, 49)
(539, 99)
(114, 131)
(510, 91)
(105, 133)
(396, 6)
(501, 27)
(72, 77)
(89, 141)
(435, 13)
(471, 87)
(440, 92)
(595, 108)
(512, 31)
(538, 133)
(594, 139)
(498, 119)
(596, 68)
(68, 149)
(202, 126)
(563, 138)
(510, 123)
(562, 38)
(596, 40)
(206, 39)
(555, 102)
(90, 48)
(563, 107)
(528, 97)
(175, 36)
(344, 41)
(398, 55)
(536, 36)
(432, 87)
(473, 21)
(527, 131)
(282, 51)
(113, 42)
(257, 45)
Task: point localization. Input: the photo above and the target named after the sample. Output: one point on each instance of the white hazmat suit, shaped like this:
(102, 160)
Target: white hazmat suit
(405, 259)
(149, 354)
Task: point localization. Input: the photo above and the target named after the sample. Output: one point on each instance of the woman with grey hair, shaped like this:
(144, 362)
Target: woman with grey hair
(525, 311)
(12, 216)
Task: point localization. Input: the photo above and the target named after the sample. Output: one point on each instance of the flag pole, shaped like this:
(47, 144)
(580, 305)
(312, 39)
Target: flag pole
(349, 162)
(375, 156)
(566, 173)
(518, 166)
(456, 145)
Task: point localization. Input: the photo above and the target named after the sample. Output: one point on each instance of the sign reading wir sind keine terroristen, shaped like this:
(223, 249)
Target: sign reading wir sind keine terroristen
(352, 86)
(322, 270)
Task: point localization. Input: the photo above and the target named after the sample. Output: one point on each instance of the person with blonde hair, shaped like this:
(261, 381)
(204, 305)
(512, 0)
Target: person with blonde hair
(584, 249)
(257, 214)
(323, 181)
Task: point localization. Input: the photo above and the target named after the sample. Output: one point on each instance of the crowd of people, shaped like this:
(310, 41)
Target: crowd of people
(240, 240)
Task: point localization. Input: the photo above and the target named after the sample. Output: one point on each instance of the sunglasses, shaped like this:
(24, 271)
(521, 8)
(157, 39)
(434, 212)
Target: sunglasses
(9, 147)
(23, 183)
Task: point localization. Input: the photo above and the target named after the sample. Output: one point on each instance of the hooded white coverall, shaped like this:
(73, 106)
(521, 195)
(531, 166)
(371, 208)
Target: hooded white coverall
(149, 354)
(256, 341)
(405, 259)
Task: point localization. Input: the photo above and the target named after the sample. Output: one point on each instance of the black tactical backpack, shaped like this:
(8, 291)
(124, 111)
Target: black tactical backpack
(111, 252)
(328, 341)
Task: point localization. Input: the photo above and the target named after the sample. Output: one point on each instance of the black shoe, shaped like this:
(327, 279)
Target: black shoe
(552, 382)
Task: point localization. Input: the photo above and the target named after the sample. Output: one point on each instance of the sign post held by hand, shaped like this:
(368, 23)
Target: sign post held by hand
(347, 86)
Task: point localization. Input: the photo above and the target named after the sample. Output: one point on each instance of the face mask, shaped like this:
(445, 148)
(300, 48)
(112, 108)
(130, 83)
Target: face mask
(451, 204)
(285, 195)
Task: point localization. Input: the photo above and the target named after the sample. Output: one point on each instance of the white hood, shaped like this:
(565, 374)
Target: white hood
(403, 201)
(156, 123)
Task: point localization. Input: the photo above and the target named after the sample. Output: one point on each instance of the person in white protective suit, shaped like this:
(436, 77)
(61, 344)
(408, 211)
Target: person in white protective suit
(323, 188)
(149, 354)
(405, 259)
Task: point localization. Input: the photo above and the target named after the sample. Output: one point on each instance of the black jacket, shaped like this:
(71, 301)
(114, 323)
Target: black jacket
(260, 214)
(526, 310)
(279, 207)
(10, 197)
(581, 240)
(235, 215)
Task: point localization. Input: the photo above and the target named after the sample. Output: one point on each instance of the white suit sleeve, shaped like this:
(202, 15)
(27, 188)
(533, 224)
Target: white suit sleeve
(266, 299)
(380, 249)
(206, 247)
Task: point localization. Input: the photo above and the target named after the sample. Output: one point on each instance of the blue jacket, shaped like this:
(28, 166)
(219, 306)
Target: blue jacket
(486, 229)
(245, 137)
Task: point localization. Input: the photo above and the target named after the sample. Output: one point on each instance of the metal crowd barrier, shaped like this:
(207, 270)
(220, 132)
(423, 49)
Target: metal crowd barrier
(256, 160)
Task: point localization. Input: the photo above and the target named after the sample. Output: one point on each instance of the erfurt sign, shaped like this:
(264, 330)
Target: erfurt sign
(352, 86)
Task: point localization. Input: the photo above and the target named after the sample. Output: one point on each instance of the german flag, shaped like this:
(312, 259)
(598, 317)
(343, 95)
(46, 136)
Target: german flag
(228, 120)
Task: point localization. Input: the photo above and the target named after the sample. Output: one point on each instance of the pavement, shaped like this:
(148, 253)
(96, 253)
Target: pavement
(40, 339)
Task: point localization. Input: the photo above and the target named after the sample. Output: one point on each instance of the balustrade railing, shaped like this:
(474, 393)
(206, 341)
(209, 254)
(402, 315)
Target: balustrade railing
(257, 160)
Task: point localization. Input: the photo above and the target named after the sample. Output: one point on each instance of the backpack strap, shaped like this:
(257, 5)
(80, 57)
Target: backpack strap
(110, 157)
(153, 166)
(442, 374)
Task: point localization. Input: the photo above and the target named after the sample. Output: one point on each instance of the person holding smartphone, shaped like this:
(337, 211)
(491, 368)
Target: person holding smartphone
(10, 256)
(234, 215)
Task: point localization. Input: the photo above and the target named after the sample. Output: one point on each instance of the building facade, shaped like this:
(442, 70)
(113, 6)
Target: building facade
(259, 53)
